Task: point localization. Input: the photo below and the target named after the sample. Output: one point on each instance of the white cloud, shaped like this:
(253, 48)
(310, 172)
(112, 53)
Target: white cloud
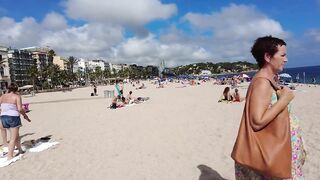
(89, 40)
(313, 34)
(234, 29)
(125, 12)
(19, 34)
(149, 50)
(236, 22)
(231, 33)
(54, 21)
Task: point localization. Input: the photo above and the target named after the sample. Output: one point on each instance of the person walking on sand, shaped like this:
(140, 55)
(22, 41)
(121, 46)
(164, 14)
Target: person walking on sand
(121, 86)
(269, 144)
(11, 108)
(95, 90)
(314, 81)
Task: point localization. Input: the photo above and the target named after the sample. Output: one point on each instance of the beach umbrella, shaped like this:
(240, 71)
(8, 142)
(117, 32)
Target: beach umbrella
(26, 87)
(285, 75)
(245, 76)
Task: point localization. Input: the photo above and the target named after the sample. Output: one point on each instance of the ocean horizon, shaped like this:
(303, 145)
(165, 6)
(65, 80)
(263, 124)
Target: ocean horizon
(303, 74)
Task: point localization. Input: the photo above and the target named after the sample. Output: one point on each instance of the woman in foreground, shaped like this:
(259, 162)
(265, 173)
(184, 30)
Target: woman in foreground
(269, 143)
(11, 108)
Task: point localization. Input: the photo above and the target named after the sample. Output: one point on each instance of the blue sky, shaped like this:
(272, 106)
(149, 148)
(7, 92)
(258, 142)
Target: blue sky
(147, 31)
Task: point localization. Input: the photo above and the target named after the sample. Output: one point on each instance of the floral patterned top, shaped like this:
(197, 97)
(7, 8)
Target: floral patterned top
(298, 152)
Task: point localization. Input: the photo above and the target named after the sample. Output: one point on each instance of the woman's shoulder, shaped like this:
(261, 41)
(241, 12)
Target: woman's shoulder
(9, 98)
(260, 82)
(261, 87)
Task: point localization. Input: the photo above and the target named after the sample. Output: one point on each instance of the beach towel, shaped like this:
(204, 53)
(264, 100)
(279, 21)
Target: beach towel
(4, 151)
(39, 146)
(4, 162)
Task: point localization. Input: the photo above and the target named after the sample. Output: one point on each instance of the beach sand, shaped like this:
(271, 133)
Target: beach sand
(165, 138)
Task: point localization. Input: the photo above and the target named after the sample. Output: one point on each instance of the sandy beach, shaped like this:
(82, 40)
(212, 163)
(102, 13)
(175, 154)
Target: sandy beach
(169, 137)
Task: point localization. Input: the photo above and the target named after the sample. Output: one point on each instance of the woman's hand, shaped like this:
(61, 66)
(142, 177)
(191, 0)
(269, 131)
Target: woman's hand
(285, 94)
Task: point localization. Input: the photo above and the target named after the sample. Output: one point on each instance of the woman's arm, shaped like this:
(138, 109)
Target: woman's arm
(21, 110)
(259, 111)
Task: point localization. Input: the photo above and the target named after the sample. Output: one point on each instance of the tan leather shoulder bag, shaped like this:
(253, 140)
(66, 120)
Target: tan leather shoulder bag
(267, 151)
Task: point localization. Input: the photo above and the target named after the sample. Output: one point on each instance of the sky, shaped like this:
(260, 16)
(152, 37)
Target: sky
(145, 32)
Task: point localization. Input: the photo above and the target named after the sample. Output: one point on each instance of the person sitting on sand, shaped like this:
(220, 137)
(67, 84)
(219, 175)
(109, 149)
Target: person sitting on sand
(236, 96)
(130, 99)
(226, 95)
(141, 87)
(115, 104)
(160, 85)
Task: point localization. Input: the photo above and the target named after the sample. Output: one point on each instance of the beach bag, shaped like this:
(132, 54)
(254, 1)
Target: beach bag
(267, 151)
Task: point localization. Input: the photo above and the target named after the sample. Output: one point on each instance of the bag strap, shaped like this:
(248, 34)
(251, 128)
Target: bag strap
(274, 86)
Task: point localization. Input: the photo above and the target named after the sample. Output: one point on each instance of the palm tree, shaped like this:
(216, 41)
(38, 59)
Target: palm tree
(98, 72)
(52, 72)
(71, 61)
(51, 53)
(33, 72)
(107, 73)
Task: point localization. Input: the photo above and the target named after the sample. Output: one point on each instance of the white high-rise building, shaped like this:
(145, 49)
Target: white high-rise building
(92, 64)
(4, 68)
(117, 67)
(82, 64)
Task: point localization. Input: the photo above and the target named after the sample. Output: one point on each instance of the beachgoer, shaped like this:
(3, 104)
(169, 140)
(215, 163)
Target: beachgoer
(236, 96)
(226, 95)
(115, 104)
(141, 87)
(314, 81)
(265, 102)
(118, 90)
(95, 90)
(11, 108)
(121, 87)
(129, 98)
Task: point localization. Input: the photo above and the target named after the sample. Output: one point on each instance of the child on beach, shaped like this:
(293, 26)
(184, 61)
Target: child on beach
(236, 96)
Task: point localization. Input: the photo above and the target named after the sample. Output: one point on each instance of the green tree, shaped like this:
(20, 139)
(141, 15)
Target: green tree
(71, 61)
(107, 73)
(33, 72)
(52, 72)
(51, 53)
(98, 73)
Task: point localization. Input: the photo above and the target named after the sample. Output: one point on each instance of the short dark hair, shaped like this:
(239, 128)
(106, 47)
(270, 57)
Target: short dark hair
(12, 88)
(263, 45)
(130, 92)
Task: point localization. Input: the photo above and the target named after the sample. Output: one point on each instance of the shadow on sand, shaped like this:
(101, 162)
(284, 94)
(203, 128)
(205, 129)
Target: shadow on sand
(31, 143)
(208, 173)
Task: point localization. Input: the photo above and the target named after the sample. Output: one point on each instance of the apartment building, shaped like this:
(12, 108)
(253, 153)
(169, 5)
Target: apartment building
(58, 60)
(4, 69)
(19, 62)
(92, 64)
(40, 56)
(117, 67)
